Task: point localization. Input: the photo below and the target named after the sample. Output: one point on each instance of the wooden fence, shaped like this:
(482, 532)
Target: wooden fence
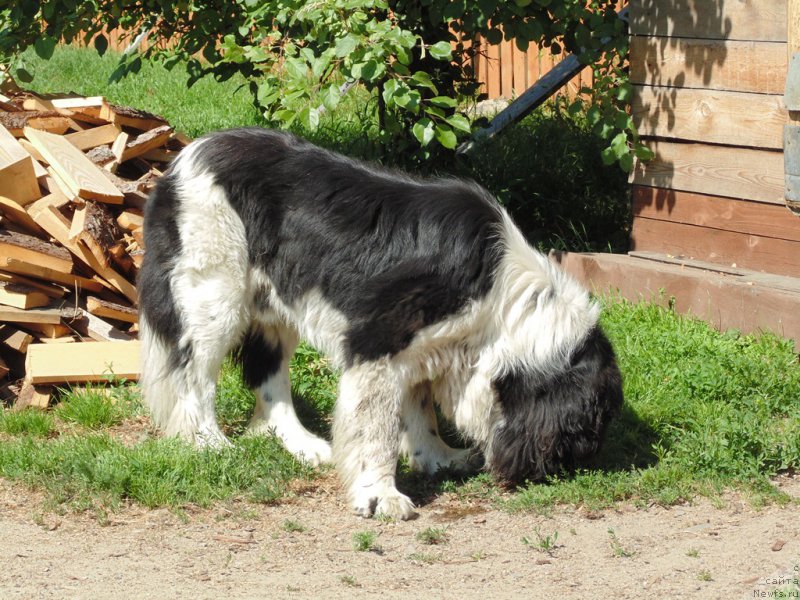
(505, 71)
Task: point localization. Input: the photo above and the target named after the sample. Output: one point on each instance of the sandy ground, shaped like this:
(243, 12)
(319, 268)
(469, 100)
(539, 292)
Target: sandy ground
(243, 551)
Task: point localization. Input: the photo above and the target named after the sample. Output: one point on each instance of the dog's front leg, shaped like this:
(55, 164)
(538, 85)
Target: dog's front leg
(366, 438)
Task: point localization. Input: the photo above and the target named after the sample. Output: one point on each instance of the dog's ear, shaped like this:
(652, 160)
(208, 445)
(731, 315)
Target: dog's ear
(552, 423)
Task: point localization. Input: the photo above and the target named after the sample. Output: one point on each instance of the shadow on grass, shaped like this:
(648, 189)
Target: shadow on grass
(628, 445)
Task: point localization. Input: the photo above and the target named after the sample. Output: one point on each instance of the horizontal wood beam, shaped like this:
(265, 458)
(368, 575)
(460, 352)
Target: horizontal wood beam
(759, 20)
(716, 245)
(719, 170)
(712, 116)
(726, 301)
(758, 67)
(715, 212)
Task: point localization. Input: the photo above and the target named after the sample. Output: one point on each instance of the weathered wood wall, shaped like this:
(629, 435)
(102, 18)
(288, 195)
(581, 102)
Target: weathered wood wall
(709, 79)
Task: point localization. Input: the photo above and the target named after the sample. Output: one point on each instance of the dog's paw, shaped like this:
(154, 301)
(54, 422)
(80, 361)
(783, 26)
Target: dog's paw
(390, 504)
(302, 444)
(314, 451)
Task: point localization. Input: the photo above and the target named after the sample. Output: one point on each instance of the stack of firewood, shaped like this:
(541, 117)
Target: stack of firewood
(75, 174)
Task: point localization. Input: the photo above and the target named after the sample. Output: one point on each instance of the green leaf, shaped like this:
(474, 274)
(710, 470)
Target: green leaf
(460, 123)
(23, 75)
(101, 44)
(446, 137)
(444, 102)
(330, 97)
(643, 152)
(620, 145)
(44, 47)
(626, 162)
(309, 117)
(345, 46)
(423, 131)
(441, 51)
(608, 157)
(494, 36)
(625, 92)
(422, 79)
(296, 69)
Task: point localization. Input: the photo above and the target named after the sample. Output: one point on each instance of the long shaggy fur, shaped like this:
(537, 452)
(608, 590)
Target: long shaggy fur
(421, 291)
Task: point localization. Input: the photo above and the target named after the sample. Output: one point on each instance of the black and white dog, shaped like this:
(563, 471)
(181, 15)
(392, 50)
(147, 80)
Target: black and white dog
(421, 291)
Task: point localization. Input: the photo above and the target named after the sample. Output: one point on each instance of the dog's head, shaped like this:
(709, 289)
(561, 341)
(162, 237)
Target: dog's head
(550, 422)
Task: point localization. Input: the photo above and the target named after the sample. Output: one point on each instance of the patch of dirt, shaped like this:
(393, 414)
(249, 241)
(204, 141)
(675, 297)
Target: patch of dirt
(239, 550)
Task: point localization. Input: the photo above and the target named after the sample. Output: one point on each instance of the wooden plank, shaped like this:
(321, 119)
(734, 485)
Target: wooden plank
(14, 339)
(131, 219)
(34, 251)
(506, 70)
(21, 296)
(493, 70)
(715, 245)
(100, 330)
(718, 170)
(17, 214)
(758, 67)
(520, 59)
(83, 178)
(50, 316)
(33, 396)
(47, 289)
(758, 218)
(57, 225)
(760, 20)
(149, 140)
(82, 362)
(49, 331)
(3, 368)
(725, 301)
(69, 280)
(125, 116)
(792, 99)
(78, 102)
(17, 175)
(712, 116)
(111, 310)
(93, 137)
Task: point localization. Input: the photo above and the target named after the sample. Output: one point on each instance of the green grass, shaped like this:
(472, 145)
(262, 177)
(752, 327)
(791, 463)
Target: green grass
(206, 106)
(365, 541)
(97, 407)
(705, 412)
(542, 543)
(31, 422)
(433, 536)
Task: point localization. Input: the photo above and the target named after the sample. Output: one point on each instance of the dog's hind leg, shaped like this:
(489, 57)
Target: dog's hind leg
(265, 356)
(214, 315)
(419, 437)
(366, 432)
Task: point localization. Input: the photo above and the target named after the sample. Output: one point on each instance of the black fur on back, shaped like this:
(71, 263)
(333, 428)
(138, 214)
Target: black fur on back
(392, 253)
